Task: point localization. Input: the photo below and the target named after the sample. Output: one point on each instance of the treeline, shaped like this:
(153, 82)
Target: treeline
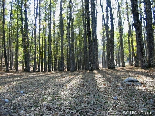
(47, 35)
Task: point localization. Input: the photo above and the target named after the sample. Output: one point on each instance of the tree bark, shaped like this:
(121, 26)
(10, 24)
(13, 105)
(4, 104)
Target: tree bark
(149, 32)
(61, 62)
(138, 27)
(121, 36)
(103, 38)
(110, 40)
(94, 37)
(35, 27)
(4, 39)
(85, 61)
(16, 49)
(49, 40)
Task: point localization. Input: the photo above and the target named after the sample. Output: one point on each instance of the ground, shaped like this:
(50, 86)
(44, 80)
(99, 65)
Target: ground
(80, 93)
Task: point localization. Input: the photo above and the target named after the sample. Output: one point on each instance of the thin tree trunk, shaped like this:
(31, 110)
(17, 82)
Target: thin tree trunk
(68, 37)
(42, 53)
(112, 65)
(22, 32)
(10, 54)
(16, 49)
(103, 39)
(62, 34)
(107, 37)
(39, 37)
(45, 48)
(55, 43)
(72, 68)
(121, 36)
(4, 41)
(49, 40)
(94, 37)
(26, 41)
(35, 27)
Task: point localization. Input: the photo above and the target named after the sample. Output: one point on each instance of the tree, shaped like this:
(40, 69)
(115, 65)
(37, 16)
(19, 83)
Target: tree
(26, 40)
(104, 65)
(4, 39)
(49, 39)
(129, 34)
(88, 35)
(1, 36)
(121, 35)
(39, 35)
(61, 62)
(149, 32)
(72, 58)
(110, 40)
(17, 42)
(35, 27)
(69, 12)
(84, 17)
(138, 27)
(45, 41)
(55, 53)
(94, 49)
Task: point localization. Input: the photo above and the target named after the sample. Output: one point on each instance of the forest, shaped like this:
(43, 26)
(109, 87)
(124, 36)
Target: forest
(77, 57)
(63, 35)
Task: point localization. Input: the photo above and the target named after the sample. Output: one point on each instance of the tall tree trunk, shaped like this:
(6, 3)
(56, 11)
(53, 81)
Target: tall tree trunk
(22, 32)
(72, 57)
(68, 36)
(16, 48)
(26, 40)
(42, 53)
(39, 36)
(110, 40)
(49, 40)
(149, 32)
(45, 48)
(61, 62)
(112, 65)
(121, 36)
(107, 36)
(72, 68)
(129, 34)
(10, 53)
(88, 34)
(132, 49)
(4, 41)
(103, 39)
(35, 27)
(94, 37)
(138, 27)
(45, 41)
(85, 61)
(55, 43)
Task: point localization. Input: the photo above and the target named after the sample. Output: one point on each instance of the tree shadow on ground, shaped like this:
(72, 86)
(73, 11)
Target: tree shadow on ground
(28, 91)
(78, 93)
(128, 100)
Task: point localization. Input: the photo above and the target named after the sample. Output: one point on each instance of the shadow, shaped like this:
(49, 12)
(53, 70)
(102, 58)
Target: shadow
(96, 93)
(128, 100)
(28, 91)
(134, 71)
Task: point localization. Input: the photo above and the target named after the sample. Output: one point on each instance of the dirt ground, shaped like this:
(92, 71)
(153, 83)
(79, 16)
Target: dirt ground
(80, 93)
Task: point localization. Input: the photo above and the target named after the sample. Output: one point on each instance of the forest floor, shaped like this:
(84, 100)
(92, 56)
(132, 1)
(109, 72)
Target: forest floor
(80, 93)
